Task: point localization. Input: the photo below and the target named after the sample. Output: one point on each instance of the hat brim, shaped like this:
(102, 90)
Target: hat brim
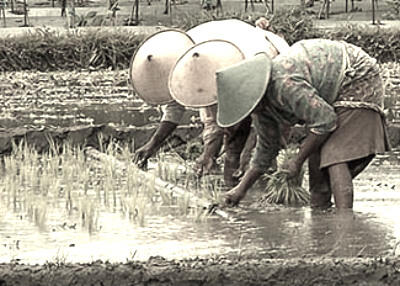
(241, 87)
(153, 61)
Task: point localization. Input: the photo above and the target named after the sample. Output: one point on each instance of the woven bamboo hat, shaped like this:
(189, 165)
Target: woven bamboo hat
(277, 41)
(249, 39)
(152, 62)
(241, 87)
(192, 81)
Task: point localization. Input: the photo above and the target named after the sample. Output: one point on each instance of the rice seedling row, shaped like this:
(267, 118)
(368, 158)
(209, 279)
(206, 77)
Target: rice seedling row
(65, 187)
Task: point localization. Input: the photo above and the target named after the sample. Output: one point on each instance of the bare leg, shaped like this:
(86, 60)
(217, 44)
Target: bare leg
(320, 190)
(342, 185)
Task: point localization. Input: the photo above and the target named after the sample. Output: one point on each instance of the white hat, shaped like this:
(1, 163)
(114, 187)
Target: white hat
(152, 62)
(192, 81)
(249, 39)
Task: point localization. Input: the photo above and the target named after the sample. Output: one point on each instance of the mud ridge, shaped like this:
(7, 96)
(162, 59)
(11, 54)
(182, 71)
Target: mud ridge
(44, 138)
(216, 271)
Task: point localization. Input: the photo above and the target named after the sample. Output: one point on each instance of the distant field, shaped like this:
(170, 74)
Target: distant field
(42, 13)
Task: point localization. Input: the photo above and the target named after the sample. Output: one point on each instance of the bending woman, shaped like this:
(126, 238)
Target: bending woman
(335, 88)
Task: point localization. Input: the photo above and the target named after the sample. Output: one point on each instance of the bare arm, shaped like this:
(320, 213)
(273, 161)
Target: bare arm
(311, 144)
(150, 148)
(235, 195)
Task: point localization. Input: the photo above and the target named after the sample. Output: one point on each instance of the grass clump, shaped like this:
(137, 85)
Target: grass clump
(112, 48)
(281, 190)
(48, 50)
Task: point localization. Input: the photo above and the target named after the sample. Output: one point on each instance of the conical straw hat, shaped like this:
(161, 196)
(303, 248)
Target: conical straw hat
(152, 62)
(192, 81)
(241, 87)
(249, 39)
(279, 43)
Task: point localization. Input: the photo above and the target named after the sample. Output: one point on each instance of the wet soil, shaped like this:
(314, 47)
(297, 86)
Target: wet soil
(213, 271)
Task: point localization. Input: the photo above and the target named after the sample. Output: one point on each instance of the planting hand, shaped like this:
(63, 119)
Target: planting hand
(234, 196)
(311, 144)
(206, 163)
(204, 166)
(293, 168)
(144, 153)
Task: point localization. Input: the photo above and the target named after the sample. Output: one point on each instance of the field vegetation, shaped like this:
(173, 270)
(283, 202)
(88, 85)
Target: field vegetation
(47, 50)
(68, 180)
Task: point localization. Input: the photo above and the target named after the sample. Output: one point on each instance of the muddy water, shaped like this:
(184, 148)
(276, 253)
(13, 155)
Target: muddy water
(373, 229)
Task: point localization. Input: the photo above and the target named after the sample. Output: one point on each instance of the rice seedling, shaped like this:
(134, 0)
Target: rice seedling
(59, 259)
(37, 212)
(169, 167)
(89, 214)
(184, 204)
(128, 206)
(211, 187)
(281, 190)
(199, 214)
(167, 198)
(64, 176)
(141, 212)
(132, 179)
(208, 188)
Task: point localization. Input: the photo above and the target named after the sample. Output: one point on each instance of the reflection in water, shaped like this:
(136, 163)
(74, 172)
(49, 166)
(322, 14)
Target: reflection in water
(273, 232)
(305, 232)
(347, 233)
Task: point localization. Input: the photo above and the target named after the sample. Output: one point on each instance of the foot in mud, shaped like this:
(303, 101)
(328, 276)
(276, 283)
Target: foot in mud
(321, 200)
(326, 206)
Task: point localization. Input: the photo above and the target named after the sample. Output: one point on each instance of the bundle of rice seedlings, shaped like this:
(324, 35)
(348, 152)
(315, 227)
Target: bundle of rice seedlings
(279, 189)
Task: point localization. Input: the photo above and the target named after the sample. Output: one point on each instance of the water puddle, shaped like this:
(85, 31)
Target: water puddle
(373, 229)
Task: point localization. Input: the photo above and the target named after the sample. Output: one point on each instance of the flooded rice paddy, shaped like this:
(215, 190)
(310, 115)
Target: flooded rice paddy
(87, 210)
(74, 209)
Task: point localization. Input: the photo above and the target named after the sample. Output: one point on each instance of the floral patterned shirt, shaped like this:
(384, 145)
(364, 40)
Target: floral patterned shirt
(307, 83)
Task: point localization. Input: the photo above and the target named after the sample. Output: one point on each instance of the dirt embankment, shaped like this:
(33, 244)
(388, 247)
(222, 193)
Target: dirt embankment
(218, 271)
(41, 108)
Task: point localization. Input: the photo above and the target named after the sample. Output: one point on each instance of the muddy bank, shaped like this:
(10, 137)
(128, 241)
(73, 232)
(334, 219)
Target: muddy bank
(70, 98)
(95, 135)
(218, 271)
(44, 138)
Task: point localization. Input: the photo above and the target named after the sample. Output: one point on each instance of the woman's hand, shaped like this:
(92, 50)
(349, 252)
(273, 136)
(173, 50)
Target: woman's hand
(234, 196)
(311, 144)
(262, 23)
(142, 155)
(204, 166)
(293, 168)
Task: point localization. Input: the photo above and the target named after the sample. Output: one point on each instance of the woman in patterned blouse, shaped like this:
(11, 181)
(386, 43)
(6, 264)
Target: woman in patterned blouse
(332, 87)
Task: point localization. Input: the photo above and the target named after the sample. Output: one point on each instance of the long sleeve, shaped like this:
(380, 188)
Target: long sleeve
(303, 101)
(268, 141)
(172, 112)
